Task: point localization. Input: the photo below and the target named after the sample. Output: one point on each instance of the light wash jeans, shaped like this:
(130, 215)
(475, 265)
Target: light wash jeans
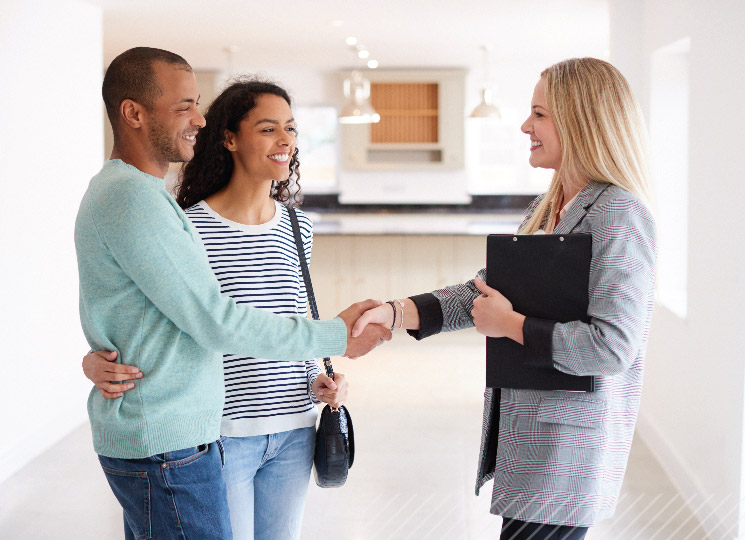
(172, 496)
(267, 480)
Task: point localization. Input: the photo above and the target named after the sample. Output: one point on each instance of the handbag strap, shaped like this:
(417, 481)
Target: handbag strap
(306, 278)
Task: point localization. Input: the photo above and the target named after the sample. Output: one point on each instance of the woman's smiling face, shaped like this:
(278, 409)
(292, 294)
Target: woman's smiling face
(265, 140)
(545, 147)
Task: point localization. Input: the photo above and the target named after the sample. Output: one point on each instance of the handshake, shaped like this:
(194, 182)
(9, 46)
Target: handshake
(365, 329)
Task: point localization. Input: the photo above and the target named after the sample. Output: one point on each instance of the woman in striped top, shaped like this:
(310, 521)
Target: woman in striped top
(234, 191)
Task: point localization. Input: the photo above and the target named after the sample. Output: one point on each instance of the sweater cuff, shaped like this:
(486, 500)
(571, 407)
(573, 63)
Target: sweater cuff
(333, 341)
(311, 379)
(430, 316)
(537, 338)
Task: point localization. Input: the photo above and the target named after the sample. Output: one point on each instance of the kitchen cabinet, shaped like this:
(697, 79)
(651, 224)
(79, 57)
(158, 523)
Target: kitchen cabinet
(347, 269)
(421, 126)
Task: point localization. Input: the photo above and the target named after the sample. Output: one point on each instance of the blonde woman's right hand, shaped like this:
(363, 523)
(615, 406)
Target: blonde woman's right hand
(382, 315)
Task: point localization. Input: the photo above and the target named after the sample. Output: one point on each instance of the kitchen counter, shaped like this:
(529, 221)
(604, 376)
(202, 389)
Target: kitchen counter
(485, 214)
(427, 224)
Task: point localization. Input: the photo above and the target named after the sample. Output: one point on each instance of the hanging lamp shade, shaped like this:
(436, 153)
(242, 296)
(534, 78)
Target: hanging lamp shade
(358, 109)
(486, 109)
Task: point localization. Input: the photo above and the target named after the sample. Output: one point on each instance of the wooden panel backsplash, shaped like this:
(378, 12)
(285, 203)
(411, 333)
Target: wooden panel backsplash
(408, 112)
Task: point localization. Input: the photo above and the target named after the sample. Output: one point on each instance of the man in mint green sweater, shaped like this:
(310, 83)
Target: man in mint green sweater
(147, 292)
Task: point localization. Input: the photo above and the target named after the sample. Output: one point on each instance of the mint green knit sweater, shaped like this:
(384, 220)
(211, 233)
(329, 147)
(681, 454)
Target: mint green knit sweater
(147, 291)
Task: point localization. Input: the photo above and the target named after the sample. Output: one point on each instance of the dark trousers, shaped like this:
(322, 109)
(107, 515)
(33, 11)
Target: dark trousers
(514, 529)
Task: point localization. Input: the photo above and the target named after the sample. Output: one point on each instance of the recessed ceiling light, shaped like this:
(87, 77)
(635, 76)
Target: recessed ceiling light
(351, 41)
(372, 64)
(363, 53)
(336, 23)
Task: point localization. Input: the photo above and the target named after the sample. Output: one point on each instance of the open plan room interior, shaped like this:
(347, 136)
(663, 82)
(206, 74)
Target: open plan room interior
(399, 207)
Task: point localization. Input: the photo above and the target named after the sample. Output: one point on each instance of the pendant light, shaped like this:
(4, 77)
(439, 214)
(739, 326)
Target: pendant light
(358, 109)
(486, 109)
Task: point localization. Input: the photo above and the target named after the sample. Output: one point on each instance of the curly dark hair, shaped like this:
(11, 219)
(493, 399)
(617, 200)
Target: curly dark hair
(212, 165)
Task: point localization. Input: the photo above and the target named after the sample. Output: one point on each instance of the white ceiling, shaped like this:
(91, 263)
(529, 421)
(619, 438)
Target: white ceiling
(413, 33)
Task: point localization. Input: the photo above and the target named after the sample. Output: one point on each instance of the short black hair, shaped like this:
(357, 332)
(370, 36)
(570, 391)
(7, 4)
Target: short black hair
(131, 76)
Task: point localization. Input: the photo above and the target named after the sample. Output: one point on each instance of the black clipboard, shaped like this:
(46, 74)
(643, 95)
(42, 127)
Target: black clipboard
(544, 276)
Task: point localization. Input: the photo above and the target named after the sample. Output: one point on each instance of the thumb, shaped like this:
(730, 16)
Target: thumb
(483, 287)
(112, 356)
(327, 381)
(360, 324)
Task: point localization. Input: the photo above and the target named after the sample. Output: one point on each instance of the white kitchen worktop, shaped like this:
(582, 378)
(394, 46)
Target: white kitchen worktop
(414, 224)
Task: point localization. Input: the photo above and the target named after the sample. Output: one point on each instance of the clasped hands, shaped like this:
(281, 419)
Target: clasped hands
(493, 315)
(367, 323)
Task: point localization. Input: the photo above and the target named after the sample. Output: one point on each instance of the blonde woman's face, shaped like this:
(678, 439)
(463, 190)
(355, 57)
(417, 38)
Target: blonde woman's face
(545, 149)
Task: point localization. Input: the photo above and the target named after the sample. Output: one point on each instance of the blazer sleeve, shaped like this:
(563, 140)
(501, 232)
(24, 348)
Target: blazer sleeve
(449, 309)
(621, 294)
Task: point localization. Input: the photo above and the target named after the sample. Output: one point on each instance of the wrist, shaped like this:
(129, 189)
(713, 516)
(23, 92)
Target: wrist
(392, 325)
(517, 320)
(398, 309)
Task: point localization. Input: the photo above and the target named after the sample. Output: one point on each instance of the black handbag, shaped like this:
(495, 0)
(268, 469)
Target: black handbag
(334, 452)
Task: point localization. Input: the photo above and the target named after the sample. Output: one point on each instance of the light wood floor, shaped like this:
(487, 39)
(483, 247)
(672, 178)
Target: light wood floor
(417, 418)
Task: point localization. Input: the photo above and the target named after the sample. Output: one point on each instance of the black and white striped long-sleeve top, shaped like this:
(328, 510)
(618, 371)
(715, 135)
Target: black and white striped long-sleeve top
(258, 265)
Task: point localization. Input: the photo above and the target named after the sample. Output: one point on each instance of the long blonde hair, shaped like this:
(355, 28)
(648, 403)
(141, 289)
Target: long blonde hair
(601, 131)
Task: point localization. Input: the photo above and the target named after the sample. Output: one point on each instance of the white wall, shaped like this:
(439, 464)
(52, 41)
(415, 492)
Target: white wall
(51, 58)
(692, 408)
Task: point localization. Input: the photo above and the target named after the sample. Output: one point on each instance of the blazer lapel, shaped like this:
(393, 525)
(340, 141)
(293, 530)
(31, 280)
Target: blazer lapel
(586, 198)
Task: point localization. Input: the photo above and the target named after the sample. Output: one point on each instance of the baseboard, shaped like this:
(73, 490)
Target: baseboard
(706, 511)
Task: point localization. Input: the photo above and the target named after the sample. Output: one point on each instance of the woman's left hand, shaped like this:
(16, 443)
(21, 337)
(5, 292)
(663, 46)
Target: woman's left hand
(493, 314)
(332, 391)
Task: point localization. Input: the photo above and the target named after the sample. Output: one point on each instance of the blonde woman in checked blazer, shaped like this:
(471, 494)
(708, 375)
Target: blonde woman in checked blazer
(558, 458)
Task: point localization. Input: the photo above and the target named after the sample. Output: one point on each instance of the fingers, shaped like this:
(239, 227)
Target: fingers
(353, 312)
(383, 314)
(361, 323)
(325, 385)
(385, 333)
(101, 366)
(113, 391)
(116, 388)
(368, 304)
(112, 376)
(338, 395)
(483, 287)
(372, 336)
(129, 372)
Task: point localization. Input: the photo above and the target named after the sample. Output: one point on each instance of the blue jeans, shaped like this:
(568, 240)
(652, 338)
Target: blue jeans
(177, 495)
(267, 479)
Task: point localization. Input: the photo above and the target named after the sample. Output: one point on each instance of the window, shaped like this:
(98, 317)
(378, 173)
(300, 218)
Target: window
(497, 157)
(669, 120)
(316, 142)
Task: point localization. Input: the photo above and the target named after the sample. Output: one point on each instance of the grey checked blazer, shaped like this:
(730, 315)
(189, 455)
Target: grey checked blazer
(559, 457)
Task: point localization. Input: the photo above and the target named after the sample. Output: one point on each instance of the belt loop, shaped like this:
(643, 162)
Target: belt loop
(222, 450)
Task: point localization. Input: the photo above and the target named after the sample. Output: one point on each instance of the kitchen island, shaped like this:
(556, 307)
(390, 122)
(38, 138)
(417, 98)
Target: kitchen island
(383, 255)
